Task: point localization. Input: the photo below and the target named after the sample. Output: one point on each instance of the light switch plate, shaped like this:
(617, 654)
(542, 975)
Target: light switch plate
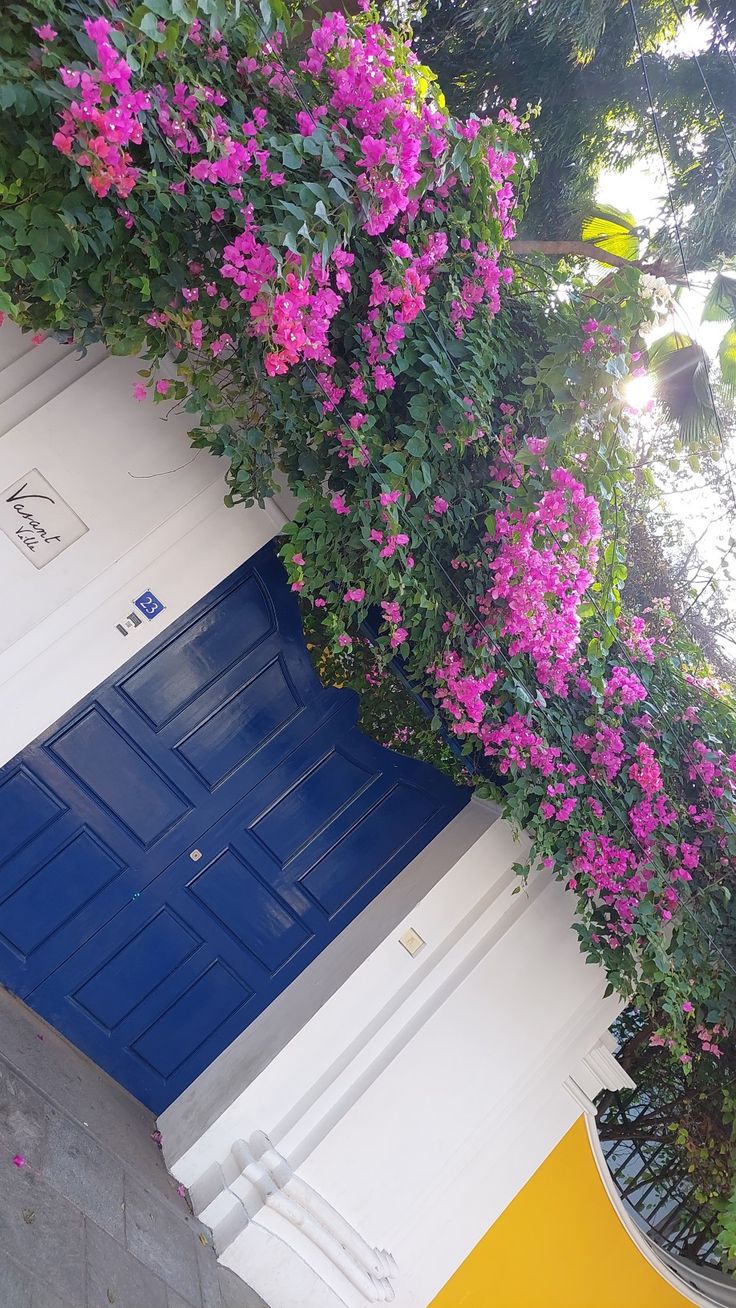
(412, 941)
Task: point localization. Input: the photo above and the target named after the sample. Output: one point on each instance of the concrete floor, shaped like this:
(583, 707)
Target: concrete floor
(91, 1219)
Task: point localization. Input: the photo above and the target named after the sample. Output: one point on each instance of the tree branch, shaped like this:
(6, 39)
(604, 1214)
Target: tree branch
(589, 250)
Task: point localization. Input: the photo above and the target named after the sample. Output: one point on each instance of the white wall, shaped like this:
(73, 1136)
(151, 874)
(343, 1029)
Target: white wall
(423, 1092)
(156, 519)
(416, 1102)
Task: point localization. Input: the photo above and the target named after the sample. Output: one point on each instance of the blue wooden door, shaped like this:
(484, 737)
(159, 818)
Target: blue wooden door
(178, 848)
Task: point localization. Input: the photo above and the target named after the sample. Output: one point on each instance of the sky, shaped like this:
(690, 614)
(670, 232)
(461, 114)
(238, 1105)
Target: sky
(641, 190)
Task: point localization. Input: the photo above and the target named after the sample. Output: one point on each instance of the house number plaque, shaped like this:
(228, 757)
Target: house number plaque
(37, 520)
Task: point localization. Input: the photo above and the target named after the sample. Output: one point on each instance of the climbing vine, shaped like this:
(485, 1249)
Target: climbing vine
(316, 262)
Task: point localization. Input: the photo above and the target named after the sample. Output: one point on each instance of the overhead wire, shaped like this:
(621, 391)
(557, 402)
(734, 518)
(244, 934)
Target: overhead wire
(476, 617)
(723, 38)
(709, 93)
(653, 700)
(680, 242)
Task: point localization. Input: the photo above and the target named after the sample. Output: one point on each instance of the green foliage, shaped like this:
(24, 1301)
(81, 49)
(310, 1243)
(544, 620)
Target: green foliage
(406, 499)
(389, 713)
(720, 302)
(580, 62)
(613, 231)
(728, 1226)
(727, 361)
(682, 1119)
(680, 368)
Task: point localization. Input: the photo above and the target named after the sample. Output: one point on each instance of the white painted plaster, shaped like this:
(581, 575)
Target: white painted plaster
(423, 1094)
(419, 1097)
(156, 519)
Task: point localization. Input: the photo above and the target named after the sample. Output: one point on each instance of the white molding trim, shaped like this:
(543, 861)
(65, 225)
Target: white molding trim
(598, 1070)
(257, 1176)
(414, 1104)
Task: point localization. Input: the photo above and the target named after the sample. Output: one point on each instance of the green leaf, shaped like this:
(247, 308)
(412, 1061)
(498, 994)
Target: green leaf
(290, 157)
(727, 360)
(339, 188)
(720, 302)
(416, 446)
(149, 26)
(679, 368)
(612, 230)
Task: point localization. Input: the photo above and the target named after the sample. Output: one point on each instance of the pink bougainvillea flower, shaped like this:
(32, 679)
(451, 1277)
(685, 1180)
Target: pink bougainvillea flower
(344, 640)
(382, 379)
(320, 603)
(46, 32)
(163, 386)
(354, 595)
(338, 504)
(688, 1007)
(139, 391)
(306, 124)
(439, 505)
(298, 559)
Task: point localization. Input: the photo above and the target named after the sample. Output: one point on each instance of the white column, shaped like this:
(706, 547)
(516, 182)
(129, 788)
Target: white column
(410, 1109)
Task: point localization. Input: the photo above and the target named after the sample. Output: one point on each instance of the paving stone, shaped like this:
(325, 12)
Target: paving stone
(85, 1173)
(115, 1277)
(235, 1294)
(209, 1272)
(41, 1230)
(79, 1133)
(176, 1301)
(81, 1090)
(23, 1113)
(43, 1296)
(20, 1289)
(15, 1284)
(162, 1239)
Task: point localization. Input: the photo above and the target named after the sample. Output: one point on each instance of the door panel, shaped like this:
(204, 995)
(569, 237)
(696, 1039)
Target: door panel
(179, 847)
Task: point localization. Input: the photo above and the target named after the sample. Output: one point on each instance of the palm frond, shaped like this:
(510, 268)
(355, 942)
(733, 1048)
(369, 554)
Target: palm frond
(612, 230)
(727, 361)
(720, 302)
(679, 368)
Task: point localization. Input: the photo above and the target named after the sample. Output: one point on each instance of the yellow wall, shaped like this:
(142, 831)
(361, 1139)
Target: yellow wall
(560, 1244)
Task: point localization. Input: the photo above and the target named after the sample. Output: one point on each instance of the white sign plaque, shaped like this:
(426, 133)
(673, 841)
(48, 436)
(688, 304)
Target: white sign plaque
(37, 520)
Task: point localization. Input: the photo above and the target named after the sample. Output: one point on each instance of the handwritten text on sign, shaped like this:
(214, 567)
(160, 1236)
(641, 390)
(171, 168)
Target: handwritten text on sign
(37, 520)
